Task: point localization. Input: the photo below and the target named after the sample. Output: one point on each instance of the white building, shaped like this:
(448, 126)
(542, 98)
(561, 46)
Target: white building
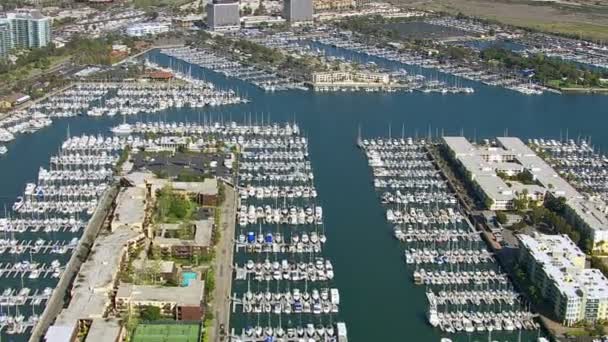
(223, 15)
(259, 20)
(350, 77)
(557, 267)
(482, 164)
(28, 29)
(147, 29)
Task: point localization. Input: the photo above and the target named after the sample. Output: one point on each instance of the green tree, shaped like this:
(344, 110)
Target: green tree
(501, 217)
(130, 322)
(150, 313)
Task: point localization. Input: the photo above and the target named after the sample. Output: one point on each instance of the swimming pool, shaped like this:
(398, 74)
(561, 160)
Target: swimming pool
(187, 277)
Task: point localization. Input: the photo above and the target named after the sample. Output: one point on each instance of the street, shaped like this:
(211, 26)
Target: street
(223, 267)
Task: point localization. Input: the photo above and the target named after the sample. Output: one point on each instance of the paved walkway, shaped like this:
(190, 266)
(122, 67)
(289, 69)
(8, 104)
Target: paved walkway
(223, 267)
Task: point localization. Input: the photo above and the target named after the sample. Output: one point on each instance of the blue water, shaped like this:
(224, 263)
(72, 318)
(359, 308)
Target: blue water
(187, 277)
(380, 303)
(484, 44)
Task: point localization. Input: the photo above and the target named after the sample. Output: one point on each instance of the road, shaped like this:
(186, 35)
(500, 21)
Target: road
(32, 102)
(223, 266)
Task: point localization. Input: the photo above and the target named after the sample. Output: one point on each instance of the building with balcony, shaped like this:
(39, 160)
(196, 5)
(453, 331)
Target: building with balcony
(557, 267)
(333, 5)
(28, 29)
(6, 43)
(183, 303)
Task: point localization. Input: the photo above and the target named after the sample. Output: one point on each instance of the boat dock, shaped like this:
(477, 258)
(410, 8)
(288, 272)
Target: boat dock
(466, 289)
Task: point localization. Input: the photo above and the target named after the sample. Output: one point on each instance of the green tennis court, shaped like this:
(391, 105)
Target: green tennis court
(167, 333)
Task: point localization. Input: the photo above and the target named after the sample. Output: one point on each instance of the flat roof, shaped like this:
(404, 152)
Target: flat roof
(207, 187)
(102, 329)
(130, 207)
(481, 162)
(589, 210)
(191, 295)
(202, 235)
(204, 231)
(556, 254)
(59, 333)
(95, 278)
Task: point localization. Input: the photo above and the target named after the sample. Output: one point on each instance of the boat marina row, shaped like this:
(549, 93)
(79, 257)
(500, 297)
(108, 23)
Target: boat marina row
(283, 282)
(42, 229)
(466, 289)
(509, 81)
(113, 98)
(204, 57)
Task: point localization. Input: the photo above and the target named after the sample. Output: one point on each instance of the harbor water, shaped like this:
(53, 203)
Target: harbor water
(379, 302)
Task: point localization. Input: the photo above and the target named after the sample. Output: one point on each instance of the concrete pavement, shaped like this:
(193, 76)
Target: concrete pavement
(223, 267)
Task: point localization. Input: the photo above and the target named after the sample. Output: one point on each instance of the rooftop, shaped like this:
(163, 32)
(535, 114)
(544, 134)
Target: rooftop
(207, 187)
(104, 330)
(483, 161)
(202, 235)
(191, 295)
(96, 277)
(564, 262)
(130, 207)
(592, 211)
(26, 14)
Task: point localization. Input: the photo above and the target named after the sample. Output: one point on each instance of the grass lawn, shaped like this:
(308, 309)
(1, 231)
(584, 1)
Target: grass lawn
(585, 30)
(29, 71)
(587, 21)
(559, 85)
(167, 333)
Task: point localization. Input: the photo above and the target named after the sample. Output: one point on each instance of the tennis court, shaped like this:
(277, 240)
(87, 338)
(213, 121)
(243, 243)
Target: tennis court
(167, 333)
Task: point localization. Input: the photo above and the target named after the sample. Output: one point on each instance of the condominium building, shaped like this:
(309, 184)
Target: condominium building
(6, 42)
(333, 5)
(223, 15)
(557, 267)
(147, 29)
(297, 10)
(511, 156)
(482, 166)
(349, 77)
(29, 29)
(182, 303)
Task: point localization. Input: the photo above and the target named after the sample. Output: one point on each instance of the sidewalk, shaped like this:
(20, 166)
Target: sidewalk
(223, 267)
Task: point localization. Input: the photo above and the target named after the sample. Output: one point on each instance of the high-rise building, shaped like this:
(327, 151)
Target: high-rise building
(6, 43)
(223, 15)
(28, 29)
(297, 10)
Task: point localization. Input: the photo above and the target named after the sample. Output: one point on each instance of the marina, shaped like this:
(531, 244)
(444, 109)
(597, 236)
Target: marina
(266, 80)
(511, 81)
(359, 234)
(98, 99)
(283, 284)
(45, 224)
(396, 79)
(577, 161)
(466, 289)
